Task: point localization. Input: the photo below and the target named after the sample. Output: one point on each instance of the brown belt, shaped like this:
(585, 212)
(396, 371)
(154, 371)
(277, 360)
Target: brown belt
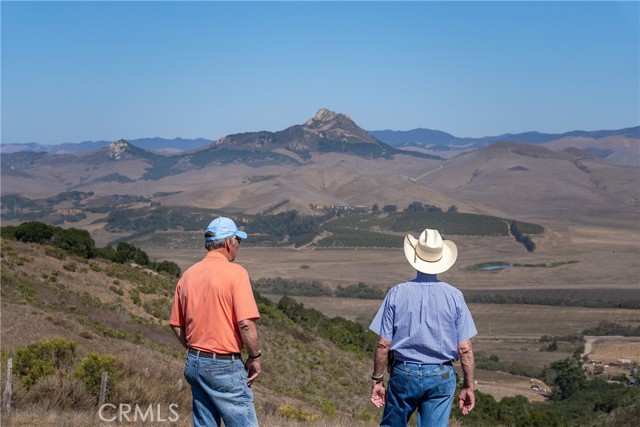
(208, 355)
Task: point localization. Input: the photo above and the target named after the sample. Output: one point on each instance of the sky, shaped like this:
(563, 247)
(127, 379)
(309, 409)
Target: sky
(80, 71)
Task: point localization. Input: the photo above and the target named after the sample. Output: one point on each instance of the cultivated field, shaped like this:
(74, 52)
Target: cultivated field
(611, 350)
(605, 259)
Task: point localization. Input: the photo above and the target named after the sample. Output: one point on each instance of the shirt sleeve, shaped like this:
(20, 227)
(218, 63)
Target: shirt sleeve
(382, 323)
(177, 312)
(465, 326)
(244, 304)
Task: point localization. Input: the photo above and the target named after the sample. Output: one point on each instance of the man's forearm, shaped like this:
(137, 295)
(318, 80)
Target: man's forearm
(380, 356)
(468, 364)
(180, 334)
(249, 333)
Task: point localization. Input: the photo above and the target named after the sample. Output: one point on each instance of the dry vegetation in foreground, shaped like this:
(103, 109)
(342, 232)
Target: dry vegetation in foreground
(306, 379)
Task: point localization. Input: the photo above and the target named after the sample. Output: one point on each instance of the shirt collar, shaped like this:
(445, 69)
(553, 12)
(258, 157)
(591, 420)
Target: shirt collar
(426, 278)
(215, 254)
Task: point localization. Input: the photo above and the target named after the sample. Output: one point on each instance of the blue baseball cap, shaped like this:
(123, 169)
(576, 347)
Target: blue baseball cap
(222, 228)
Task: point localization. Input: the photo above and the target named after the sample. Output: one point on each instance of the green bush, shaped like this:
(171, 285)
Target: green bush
(71, 266)
(361, 290)
(54, 252)
(90, 370)
(167, 266)
(45, 358)
(135, 297)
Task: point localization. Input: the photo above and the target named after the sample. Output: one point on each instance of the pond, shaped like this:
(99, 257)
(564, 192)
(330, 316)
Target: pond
(492, 266)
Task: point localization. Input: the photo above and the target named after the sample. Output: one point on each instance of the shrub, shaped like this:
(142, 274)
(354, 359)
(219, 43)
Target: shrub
(296, 414)
(54, 252)
(90, 370)
(361, 290)
(71, 266)
(135, 297)
(116, 290)
(54, 392)
(168, 266)
(45, 358)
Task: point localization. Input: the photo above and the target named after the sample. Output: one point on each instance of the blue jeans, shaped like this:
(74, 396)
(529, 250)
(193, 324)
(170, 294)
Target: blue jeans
(219, 389)
(427, 388)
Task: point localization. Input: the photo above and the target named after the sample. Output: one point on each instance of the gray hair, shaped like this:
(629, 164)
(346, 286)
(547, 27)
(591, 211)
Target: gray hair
(216, 244)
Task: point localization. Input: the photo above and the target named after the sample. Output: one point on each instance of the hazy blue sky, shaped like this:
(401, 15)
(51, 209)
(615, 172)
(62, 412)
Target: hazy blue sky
(77, 71)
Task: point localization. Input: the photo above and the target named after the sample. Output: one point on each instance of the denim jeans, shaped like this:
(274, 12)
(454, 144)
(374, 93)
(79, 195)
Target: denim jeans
(427, 388)
(220, 391)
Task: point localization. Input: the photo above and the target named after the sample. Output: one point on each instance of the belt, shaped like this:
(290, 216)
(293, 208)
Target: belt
(400, 362)
(208, 355)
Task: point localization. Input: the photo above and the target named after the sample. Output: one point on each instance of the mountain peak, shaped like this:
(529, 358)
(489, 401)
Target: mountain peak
(325, 117)
(118, 149)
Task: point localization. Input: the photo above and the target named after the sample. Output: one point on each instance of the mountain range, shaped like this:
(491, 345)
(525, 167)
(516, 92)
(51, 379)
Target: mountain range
(606, 144)
(330, 160)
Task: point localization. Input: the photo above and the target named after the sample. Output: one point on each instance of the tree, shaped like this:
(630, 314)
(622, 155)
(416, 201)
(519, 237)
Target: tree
(390, 208)
(453, 209)
(570, 377)
(168, 266)
(34, 231)
(127, 253)
(415, 207)
(75, 241)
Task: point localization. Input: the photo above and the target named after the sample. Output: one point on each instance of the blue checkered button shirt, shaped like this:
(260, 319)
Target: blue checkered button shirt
(424, 319)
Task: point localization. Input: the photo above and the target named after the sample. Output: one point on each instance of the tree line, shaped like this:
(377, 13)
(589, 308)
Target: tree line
(562, 302)
(280, 286)
(77, 242)
(522, 238)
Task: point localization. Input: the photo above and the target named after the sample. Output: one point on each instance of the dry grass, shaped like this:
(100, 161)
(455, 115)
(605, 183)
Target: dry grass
(45, 418)
(611, 350)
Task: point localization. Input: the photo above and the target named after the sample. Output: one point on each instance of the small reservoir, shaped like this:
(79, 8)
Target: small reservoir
(492, 266)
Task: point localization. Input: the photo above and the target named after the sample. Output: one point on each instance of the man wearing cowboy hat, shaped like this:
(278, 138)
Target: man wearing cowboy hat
(427, 325)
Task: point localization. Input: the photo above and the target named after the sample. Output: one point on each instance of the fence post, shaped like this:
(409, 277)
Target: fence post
(103, 388)
(8, 391)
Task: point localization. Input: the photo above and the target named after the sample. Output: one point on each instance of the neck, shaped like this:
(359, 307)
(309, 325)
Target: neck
(424, 277)
(224, 252)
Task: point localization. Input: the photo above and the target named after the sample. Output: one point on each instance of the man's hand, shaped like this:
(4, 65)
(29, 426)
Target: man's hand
(467, 400)
(253, 369)
(378, 393)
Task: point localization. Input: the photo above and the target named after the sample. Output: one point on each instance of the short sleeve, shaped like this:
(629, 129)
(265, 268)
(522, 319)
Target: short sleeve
(382, 323)
(244, 304)
(177, 312)
(465, 326)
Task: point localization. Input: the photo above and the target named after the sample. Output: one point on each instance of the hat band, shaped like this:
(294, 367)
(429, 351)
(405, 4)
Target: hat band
(416, 256)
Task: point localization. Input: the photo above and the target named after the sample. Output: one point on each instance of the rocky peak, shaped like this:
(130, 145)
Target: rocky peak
(118, 149)
(324, 117)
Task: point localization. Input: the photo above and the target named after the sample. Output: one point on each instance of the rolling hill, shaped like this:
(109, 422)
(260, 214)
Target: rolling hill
(329, 161)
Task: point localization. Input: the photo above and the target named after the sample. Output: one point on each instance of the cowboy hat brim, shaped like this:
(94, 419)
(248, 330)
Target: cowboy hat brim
(449, 256)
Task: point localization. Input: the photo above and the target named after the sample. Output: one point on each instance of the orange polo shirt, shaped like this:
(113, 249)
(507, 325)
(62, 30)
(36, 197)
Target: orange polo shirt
(210, 299)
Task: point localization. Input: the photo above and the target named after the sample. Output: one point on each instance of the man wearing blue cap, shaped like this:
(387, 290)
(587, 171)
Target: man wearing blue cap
(213, 317)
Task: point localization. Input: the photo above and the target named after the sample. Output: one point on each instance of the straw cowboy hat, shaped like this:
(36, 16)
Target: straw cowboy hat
(429, 253)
